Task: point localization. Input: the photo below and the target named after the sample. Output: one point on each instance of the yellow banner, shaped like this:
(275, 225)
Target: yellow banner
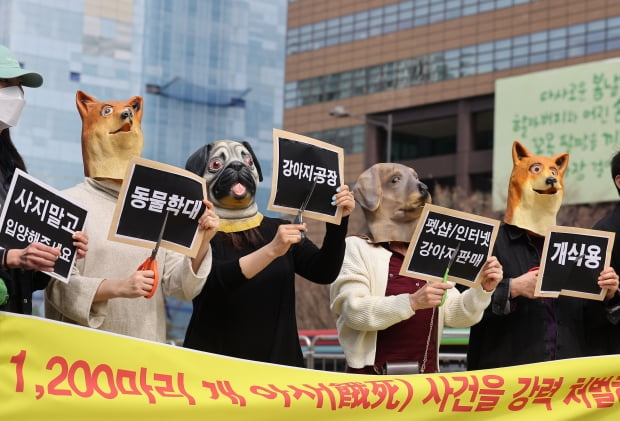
(53, 371)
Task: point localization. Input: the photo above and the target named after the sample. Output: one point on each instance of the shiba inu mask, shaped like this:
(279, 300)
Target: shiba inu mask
(392, 198)
(232, 173)
(111, 135)
(536, 190)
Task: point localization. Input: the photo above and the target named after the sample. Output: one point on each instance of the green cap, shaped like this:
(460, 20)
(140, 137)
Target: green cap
(10, 68)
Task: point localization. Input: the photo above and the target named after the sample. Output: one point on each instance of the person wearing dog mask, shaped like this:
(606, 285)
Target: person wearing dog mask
(20, 269)
(519, 328)
(247, 306)
(106, 290)
(385, 319)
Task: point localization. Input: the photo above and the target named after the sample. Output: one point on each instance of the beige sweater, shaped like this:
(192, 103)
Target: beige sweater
(137, 317)
(358, 298)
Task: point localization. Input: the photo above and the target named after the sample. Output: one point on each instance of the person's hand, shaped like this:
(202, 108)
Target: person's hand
(344, 197)
(80, 242)
(36, 256)
(492, 274)
(209, 221)
(524, 285)
(430, 295)
(608, 279)
(287, 235)
(139, 284)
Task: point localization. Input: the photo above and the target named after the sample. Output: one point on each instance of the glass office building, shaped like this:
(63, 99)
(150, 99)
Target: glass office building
(207, 70)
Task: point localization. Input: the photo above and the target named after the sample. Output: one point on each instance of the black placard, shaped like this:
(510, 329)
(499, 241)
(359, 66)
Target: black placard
(36, 212)
(150, 189)
(298, 161)
(572, 260)
(439, 233)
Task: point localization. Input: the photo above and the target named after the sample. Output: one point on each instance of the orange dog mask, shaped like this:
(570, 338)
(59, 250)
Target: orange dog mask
(111, 135)
(536, 189)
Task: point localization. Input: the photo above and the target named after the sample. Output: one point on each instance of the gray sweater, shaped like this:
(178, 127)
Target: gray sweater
(137, 317)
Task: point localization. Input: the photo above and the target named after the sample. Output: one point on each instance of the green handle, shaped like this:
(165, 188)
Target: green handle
(445, 291)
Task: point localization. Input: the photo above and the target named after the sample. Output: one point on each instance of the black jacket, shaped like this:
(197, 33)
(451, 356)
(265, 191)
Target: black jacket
(514, 332)
(20, 285)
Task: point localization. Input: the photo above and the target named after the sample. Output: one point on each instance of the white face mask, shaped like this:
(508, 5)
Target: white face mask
(11, 105)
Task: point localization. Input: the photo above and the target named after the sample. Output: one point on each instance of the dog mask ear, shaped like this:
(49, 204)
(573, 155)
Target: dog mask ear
(368, 188)
(197, 162)
(256, 163)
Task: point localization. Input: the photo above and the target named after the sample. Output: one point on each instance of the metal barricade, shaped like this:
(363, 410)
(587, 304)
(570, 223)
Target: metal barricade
(323, 351)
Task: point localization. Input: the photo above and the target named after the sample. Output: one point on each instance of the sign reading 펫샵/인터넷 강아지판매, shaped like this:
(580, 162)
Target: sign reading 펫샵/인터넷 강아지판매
(151, 189)
(574, 109)
(440, 232)
(571, 262)
(298, 161)
(36, 212)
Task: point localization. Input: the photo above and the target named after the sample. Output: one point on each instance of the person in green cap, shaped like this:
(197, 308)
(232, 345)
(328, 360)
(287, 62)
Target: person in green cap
(20, 269)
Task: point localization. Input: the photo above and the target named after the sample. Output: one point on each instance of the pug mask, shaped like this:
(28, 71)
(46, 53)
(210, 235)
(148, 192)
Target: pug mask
(111, 135)
(392, 198)
(232, 173)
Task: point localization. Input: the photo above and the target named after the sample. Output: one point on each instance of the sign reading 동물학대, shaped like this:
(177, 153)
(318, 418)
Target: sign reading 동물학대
(571, 262)
(36, 212)
(298, 161)
(151, 189)
(441, 232)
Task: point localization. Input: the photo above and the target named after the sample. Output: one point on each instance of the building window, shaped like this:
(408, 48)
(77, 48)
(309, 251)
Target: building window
(384, 20)
(540, 47)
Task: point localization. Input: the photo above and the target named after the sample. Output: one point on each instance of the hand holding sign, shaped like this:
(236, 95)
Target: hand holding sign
(151, 262)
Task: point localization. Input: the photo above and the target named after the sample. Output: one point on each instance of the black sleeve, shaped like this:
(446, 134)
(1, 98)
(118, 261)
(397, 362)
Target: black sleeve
(322, 265)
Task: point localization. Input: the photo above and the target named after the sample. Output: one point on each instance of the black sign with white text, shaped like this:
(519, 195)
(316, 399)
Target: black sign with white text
(36, 212)
(439, 234)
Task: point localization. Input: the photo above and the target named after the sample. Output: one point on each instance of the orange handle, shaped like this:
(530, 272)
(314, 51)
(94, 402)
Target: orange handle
(149, 264)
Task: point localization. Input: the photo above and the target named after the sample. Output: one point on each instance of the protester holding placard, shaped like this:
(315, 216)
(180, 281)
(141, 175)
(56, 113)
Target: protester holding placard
(20, 269)
(386, 320)
(606, 327)
(247, 306)
(519, 328)
(106, 289)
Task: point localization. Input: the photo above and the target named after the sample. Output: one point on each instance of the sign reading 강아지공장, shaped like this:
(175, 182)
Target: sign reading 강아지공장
(297, 162)
(440, 232)
(571, 262)
(149, 190)
(36, 212)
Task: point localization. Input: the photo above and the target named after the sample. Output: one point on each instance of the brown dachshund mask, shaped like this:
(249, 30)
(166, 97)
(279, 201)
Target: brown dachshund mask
(392, 198)
(111, 135)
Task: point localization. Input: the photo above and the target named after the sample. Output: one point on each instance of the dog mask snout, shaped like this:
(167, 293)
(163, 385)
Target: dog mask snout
(551, 181)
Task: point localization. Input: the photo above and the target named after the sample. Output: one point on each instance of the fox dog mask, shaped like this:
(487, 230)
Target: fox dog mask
(392, 198)
(232, 173)
(536, 189)
(111, 135)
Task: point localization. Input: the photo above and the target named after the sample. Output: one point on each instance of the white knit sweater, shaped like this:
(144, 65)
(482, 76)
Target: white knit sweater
(358, 298)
